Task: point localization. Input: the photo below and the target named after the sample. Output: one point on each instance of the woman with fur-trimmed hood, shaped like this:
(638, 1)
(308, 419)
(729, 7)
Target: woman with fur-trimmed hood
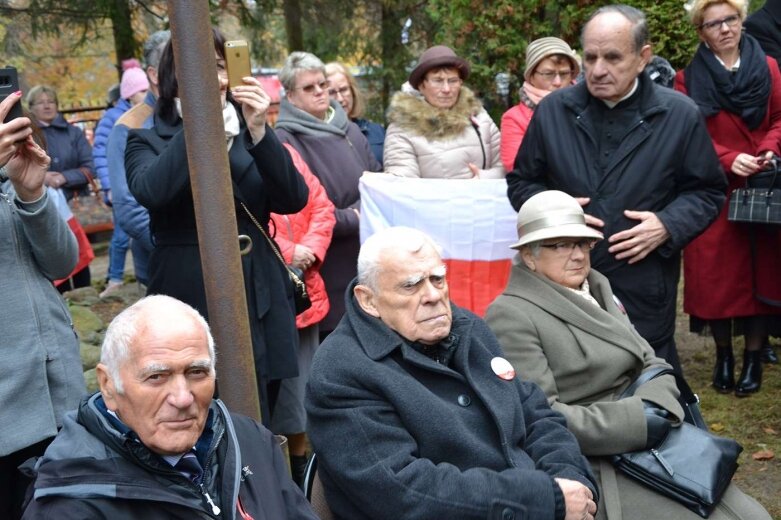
(441, 130)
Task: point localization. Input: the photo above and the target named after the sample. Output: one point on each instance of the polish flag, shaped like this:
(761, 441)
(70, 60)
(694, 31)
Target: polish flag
(471, 220)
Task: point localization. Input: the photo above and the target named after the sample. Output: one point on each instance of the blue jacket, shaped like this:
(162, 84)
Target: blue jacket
(400, 436)
(131, 216)
(375, 134)
(70, 152)
(100, 141)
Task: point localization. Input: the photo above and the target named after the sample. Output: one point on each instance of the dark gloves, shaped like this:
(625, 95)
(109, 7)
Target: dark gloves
(657, 423)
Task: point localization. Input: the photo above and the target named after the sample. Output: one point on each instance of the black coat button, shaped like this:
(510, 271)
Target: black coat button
(464, 400)
(508, 514)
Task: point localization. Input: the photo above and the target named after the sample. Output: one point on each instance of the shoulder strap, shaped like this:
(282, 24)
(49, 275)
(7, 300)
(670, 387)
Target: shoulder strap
(644, 378)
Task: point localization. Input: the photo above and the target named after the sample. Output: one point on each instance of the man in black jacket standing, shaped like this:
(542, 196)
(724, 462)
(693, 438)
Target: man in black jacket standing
(638, 158)
(153, 443)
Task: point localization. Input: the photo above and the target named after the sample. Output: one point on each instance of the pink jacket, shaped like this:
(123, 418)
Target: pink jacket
(312, 227)
(514, 124)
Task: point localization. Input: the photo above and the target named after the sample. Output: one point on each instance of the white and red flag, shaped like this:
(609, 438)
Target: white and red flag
(471, 220)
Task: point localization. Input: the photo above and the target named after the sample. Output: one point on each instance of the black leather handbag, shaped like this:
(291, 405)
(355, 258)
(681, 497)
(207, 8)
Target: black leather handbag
(691, 465)
(760, 201)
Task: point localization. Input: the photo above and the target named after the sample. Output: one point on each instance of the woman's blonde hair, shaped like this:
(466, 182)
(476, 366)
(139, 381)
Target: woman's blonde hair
(39, 90)
(696, 8)
(335, 67)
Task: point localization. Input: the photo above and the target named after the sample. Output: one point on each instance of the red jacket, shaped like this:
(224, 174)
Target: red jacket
(719, 271)
(312, 227)
(514, 124)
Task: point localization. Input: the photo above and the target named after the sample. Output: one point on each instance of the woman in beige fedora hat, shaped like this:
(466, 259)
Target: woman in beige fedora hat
(550, 65)
(441, 130)
(561, 327)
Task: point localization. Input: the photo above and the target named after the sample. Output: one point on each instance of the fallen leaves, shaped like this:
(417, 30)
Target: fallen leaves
(763, 455)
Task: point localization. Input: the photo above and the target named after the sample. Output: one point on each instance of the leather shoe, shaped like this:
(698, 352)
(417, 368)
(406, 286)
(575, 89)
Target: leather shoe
(769, 355)
(724, 371)
(751, 375)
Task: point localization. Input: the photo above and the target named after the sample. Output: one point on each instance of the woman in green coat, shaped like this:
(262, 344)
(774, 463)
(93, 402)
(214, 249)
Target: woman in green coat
(561, 326)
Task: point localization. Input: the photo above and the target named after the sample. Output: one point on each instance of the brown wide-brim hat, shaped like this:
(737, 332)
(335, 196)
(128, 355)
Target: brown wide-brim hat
(434, 57)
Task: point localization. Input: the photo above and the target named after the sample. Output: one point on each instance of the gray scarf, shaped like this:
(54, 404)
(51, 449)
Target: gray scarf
(296, 121)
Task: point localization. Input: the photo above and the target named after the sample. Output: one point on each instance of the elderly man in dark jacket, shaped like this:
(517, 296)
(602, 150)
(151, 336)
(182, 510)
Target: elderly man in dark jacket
(638, 157)
(415, 414)
(153, 444)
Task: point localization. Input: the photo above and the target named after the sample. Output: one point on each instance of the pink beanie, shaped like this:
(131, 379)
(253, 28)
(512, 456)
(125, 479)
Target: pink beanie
(133, 81)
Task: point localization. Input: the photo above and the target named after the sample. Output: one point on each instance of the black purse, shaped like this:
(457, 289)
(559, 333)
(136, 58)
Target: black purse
(691, 465)
(760, 201)
(296, 275)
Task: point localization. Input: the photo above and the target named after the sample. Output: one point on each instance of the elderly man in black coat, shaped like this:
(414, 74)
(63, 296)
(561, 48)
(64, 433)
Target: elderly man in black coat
(415, 414)
(638, 157)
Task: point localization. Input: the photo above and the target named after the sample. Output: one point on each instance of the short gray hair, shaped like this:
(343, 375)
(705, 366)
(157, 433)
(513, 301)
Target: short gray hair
(298, 61)
(534, 247)
(39, 90)
(397, 238)
(123, 329)
(153, 48)
(635, 16)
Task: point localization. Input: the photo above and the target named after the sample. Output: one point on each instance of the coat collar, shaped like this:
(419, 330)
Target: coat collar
(577, 98)
(608, 323)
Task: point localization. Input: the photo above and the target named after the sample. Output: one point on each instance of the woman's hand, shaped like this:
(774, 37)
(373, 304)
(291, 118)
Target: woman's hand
(303, 257)
(54, 179)
(27, 170)
(745, 165)
(254, 103)
(14, 132)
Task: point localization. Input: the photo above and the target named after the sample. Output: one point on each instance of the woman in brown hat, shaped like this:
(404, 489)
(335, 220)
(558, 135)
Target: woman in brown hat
(441, 130)
(550, 65)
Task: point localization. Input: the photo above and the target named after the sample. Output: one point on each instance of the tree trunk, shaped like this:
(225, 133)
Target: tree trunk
(295, 37)
(125, 45)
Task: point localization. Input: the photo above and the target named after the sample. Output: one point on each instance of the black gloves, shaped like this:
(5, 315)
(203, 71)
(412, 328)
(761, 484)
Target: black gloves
(657, 423)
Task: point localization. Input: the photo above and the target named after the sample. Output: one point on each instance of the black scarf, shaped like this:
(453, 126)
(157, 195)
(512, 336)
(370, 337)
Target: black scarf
(745, 92)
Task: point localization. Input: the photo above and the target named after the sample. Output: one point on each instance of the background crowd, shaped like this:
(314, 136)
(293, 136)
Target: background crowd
(650, 167)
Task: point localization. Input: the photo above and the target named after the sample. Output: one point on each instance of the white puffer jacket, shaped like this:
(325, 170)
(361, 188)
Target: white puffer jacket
(429, 142)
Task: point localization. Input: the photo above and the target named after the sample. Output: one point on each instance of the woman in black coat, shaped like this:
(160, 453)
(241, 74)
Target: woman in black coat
(264, 179)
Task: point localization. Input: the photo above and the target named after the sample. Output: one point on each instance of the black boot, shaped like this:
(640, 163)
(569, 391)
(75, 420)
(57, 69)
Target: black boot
(751, 374)
(769, 355)
(298, 468)
(724, 371)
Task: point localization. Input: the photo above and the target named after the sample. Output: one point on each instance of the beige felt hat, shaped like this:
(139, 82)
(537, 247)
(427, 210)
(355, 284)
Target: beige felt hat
(552, 214)
(541, 48)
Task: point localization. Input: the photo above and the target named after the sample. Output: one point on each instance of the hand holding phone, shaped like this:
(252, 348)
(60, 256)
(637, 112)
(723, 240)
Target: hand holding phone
(237, 61)
(9, 85)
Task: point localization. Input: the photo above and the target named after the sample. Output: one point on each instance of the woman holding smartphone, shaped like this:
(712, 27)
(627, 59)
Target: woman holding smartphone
(264, 180)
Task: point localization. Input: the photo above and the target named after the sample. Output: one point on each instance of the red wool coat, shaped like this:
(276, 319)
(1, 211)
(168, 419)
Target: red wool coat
(313, 227)
(718, 267)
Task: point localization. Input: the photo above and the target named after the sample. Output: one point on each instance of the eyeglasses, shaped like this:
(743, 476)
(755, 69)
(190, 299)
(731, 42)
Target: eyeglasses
(715, 25)
(339, 92)
(440, 82)
(566, 248)
(309, 89)
(44, 102)
(550, 75)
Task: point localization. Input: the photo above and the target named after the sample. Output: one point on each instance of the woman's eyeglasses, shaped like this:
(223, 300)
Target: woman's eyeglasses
(550, 75)
(715, 25)
(441, 82)
(566, 248)
(339, 92)
(309, 89)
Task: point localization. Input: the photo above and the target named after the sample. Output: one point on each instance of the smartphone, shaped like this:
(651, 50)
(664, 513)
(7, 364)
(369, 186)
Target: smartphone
(237, 62)
(9, 83)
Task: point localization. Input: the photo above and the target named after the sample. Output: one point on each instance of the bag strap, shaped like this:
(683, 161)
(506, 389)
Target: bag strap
(643, 379)
(270, 242)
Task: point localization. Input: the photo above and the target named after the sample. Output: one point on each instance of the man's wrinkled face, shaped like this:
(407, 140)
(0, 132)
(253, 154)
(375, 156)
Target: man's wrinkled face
(168, 381)
(411, 295)
(610, 60)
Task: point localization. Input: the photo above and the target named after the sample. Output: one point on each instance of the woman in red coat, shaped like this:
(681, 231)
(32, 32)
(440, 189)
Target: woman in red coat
(303, 239)
(738, 90)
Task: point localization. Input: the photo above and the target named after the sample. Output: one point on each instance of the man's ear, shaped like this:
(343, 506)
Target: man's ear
(365, 298)
(646, 53)
(107, 388)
